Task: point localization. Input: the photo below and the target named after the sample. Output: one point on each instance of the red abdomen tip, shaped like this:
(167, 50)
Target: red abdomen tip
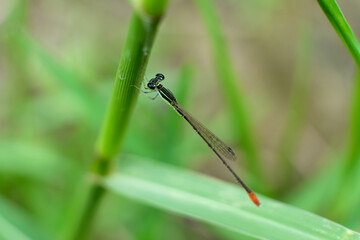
(254, 198)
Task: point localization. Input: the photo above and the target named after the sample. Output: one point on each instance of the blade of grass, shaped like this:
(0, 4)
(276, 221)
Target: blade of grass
(347, 200)
(297, 108)
(15, 224)
(342, 28)
(232, 92)
(230, 235)
(29, 160)
(133, 61)
(22, 46)
(66, 79)
(18, 59)
(354, 155)
(354, 129)
(310, 195)
(222, 204)
(348, 196)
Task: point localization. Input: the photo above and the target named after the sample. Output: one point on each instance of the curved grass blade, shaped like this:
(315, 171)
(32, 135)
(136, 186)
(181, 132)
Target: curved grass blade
(14, 224)
(342, 28)
(222, 204)
(230, 86)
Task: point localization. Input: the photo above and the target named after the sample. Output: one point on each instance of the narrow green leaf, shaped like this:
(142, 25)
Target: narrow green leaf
(29, 160)
(346, 199)
(215, 202)
(354, 129)
(343, 29)
(14, 224)
(292, 133)
(311, 194)
(66, 79)
(232, 92)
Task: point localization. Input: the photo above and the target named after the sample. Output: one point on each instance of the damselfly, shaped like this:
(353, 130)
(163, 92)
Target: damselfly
(223, 151)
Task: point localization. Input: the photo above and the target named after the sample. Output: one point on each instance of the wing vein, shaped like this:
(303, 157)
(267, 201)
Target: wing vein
(213, 141)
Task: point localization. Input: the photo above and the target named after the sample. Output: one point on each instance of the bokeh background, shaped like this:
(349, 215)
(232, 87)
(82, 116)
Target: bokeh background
(58, 61)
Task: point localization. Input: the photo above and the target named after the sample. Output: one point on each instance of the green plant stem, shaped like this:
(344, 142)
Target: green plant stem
(129, 75)
(18, 57)
(338, 21)
(233, 94)
(346, 198)
(345, 203)
(354, 131)
(297, 109)
(95, 193)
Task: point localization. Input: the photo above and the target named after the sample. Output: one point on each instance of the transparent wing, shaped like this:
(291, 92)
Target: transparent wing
(211, 139)
(219, 147)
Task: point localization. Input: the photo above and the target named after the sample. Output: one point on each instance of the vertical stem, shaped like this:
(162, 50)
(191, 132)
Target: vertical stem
(129, 75)
(233, 94)
(343, 29)
(354, 131)
(297, 109)
(347, 194)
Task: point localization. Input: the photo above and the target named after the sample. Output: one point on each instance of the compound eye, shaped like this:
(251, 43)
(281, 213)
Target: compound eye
(160, 76)
(151, 86)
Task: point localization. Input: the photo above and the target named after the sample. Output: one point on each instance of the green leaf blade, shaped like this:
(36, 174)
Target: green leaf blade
(342, 28)
(15, 224)
(218, 203)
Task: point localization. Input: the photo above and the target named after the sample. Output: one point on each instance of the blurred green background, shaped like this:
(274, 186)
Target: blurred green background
(57, 66)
